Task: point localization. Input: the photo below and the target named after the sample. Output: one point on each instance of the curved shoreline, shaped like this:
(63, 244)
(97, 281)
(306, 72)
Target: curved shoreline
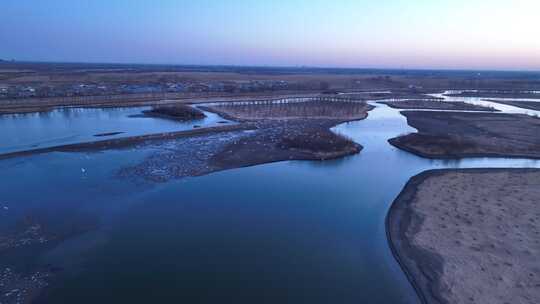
(400, 143)
(458, 135)
(397, 219)
(423, 268)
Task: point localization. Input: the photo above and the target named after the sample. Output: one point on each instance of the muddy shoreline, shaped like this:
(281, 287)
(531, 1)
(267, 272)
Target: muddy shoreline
(487, 94)
(410, 259)
(428, 269)
(453, 135)
(118, 143)
(531, 105)
(435, 104)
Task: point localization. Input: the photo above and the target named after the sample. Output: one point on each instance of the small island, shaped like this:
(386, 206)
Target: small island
(266, 132)
(180, 112)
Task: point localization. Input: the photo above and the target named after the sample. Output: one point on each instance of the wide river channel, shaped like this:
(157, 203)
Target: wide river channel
(287, 232)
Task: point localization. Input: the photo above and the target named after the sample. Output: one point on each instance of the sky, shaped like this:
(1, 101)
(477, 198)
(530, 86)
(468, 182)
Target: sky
(442, 34)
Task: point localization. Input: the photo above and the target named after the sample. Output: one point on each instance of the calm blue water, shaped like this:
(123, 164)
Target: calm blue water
(72, 125)
(289, 232)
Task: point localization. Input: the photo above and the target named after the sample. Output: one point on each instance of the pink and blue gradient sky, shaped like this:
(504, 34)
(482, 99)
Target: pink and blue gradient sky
(452, 34)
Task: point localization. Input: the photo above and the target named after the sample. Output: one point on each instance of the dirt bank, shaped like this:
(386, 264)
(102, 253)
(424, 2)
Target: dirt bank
(434, 104)
(470, 236)
(395, 94)
(488, 94)
(453, 135)
(531, 105)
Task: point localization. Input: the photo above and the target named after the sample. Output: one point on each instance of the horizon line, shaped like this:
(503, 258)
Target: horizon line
(271, 66)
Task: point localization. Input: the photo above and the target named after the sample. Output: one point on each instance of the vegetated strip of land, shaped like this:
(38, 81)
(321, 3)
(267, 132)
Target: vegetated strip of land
(434, 104)
(31, 105)
(180, 112)
(19, 106)
(531, 105)
(454, 135)
(341, 109)
(470, 236)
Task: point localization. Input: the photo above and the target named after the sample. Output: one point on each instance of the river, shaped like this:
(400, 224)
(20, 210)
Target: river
(288, 232)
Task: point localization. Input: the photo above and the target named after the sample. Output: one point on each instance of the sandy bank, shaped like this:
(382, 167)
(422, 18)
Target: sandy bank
(454, 135)
(470, 236)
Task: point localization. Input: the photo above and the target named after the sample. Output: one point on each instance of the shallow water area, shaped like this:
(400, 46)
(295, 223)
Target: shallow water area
(29, 131)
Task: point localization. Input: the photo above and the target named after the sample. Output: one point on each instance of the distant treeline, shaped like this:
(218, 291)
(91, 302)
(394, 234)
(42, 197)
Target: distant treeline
(116, 67)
